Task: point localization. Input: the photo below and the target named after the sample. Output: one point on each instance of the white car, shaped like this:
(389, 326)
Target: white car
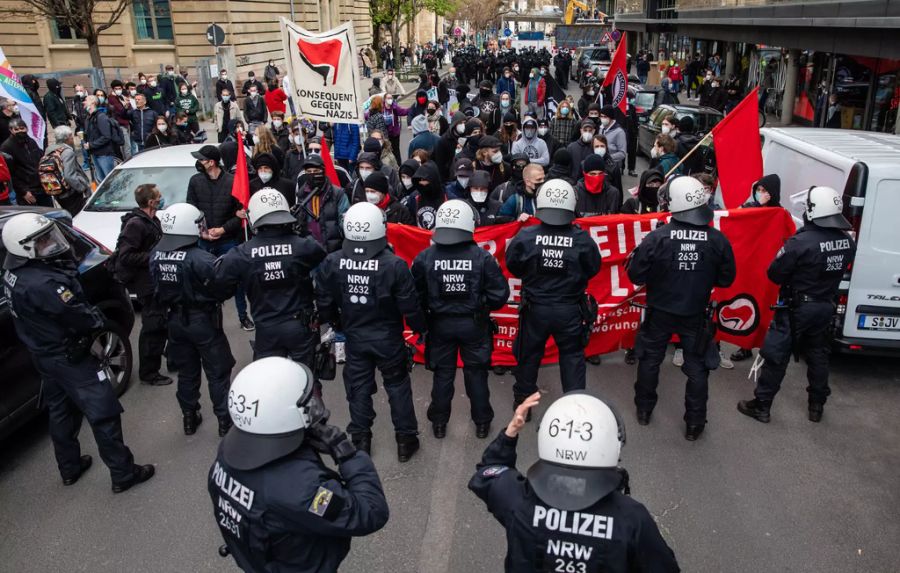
(169, 168)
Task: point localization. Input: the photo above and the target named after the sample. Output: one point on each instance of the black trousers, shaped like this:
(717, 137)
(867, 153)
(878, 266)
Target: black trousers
(73, 392)
(449, 336)
(152, 338)
(813, 319)
(389, 356)
(540, 322)
(197, 340)
(73, 203)
(650, 349)
(290, 338)
(395, 147)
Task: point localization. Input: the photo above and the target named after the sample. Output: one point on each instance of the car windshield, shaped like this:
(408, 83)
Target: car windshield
(600, 55)
(645, 99)
(117, 191)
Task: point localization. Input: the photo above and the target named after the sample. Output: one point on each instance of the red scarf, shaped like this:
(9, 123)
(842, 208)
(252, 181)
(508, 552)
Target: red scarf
(594, 183)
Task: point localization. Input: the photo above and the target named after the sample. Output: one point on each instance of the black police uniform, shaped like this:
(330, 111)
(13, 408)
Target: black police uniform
(184, 280)
(295, 514)
(459, 285)
(274, 268)
(680, 264)
(555, 263)
(368, 299)
(51, 314)
(616, 534)
(809, 268)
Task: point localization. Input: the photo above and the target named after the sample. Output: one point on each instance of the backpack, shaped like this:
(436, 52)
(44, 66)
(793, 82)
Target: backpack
(50, 171)
(115, 133)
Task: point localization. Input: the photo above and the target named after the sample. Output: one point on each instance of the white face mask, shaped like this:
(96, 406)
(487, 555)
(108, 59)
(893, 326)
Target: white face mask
(460, 128)
(604, 121)
(255, 139)
(479, 196)
(364, 173)
(389, 102)
(666, 129)
(373, 197)
(118, 92)
(654, 153)
(277, 123)
(264, 176)
(463, 181)
(152, 83)
(543, 130)
(162, 127)
(297, 139)
(131, 92)
(601, 151)
(587, 136)
(143, 81)
(590, 92)
(407, 182)
(461, 141)
(497, 158)
(254, 94)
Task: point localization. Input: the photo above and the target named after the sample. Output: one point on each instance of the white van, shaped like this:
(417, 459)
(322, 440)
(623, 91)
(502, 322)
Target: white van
(866, 166)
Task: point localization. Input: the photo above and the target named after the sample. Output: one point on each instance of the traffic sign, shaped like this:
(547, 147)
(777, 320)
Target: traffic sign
(215, 35)
(606, 38)
(507, 32)
(616, 35)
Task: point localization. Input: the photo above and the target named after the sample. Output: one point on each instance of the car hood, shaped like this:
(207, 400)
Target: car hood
(104, 226)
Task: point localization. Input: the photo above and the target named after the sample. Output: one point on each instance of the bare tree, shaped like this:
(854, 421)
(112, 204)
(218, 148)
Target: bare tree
(82, 16)
(480, 13)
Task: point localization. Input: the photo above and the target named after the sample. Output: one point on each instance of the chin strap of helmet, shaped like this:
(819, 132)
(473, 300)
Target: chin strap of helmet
(625, 484)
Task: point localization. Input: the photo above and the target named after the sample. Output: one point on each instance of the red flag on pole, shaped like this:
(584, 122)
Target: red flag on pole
(739, 151)
(617, 78)
(241, 188)
(330, 171)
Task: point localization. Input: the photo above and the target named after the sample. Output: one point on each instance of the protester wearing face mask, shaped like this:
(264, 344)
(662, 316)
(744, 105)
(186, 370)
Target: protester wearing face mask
(99, 139)
(445, 150)
(434, 115)
(366, 165)
(669, 126)
(582, 147)
(378, 193)
(535, 92)
(418, 107)
(507, 104)
(161, 136)
(392, 85)
(531, 145)
(225, 111)
(610, 166)
(181, 129)
(392, 113)
(514, 184)
(543, 131)
(423, 138)
(424, 202)
(24, 158)
(268, 174)
(170, 84)
(486, 208)
(508, 132)
(280, 131)
(469, 142)
(320, 206)
(155, 96)
(588, 96)
(252, 82)
(706, 89)
(663, 155)
(647, 198)
(489, 157)
(561, 166)
(594, 193)
(507, 84)
(488, 105)
(458, 188)
(255, 111)
(223, 83)
(520, 206)
(189, 104)
(406, 172)
(564, 126)
(615, 135)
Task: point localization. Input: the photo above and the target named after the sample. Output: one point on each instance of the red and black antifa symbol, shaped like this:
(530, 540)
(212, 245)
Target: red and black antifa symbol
(322, 57)
(738, 316)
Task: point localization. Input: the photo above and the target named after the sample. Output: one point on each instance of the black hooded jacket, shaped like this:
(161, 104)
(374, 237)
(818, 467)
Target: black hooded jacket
(772, 184)
(647, 200)
(607, 202)
(424, 205)
(55, 104)
(282, 185)
(445, 149)
(139, 234)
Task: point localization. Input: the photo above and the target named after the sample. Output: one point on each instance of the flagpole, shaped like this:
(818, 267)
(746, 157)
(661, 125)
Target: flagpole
(688, 154)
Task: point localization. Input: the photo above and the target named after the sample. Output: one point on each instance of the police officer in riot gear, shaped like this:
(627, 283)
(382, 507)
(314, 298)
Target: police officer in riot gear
(809, 269)
(555, 261)
(183, 278)
(274, 268)
(459, 283)
(365, 290)
(680, 263)
(58, 326)
(572, 512)
(278, 506)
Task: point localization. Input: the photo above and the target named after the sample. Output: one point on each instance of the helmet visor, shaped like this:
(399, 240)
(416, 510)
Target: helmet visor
(49, 242)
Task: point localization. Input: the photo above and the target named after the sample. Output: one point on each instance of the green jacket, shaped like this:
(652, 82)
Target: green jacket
(188, 104)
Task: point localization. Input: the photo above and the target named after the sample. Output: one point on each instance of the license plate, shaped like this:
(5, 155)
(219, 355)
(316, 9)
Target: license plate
(875, 322)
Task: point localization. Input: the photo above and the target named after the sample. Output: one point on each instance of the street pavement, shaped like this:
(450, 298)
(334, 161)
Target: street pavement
(746, 497)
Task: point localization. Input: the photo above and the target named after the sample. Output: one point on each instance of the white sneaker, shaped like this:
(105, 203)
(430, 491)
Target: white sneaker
(725, 362)
(678, 358)
(340, 354)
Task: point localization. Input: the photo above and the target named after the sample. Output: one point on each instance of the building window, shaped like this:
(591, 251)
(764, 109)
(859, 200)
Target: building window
(153, 20)
(62, 32)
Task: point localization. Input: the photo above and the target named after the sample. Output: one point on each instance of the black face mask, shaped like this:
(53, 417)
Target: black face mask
(485, 93)
(517, 171)
(317, 180)
(509, 128)
(428, 190)
(21, 136)
(199, 167)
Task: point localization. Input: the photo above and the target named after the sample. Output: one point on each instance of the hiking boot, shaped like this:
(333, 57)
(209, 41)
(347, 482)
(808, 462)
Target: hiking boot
(140, 475)
(482, 430)
(693, 431)
(191, 421)
(815, 412)
(756, 409)
(440, 431)
(407, 445)
(85, 462)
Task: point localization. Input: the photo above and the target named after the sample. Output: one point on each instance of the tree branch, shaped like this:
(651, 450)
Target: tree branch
(115, 15)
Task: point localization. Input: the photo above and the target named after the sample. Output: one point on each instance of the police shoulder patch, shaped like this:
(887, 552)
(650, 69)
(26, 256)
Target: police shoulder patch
(64, 293)
(321, 501)
(493, 471)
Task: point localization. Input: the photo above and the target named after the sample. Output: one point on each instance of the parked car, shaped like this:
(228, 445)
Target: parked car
(645, 99)
(170, 168)
(705, 118)
(21, 386)
(589, 58)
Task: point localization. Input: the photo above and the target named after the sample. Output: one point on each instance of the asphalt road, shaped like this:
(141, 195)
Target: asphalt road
(746, 497)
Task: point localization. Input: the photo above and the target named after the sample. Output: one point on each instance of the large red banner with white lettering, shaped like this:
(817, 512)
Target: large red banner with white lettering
(743, 309)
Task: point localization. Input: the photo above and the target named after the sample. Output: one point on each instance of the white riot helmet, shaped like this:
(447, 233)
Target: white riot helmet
(268, 207)
(555, 202)
(455, 223)
(579, 441)
(33, 236)
(271, 403)
(824, 207)
(182, 224)
(365, 231)
(688, 200)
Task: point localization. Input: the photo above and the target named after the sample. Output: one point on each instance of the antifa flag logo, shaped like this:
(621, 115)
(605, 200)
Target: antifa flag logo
(738, 316)
(322, 57)
(618, 88)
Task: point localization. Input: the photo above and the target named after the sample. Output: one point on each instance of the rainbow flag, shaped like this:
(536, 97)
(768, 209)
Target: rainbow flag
(11, 88)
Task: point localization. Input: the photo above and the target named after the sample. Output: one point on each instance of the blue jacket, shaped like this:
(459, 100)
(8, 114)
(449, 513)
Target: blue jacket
(507, 85)
(426, 141)
(346, 141)
(142, 123)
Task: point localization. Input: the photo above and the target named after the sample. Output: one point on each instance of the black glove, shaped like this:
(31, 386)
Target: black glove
(332, 440)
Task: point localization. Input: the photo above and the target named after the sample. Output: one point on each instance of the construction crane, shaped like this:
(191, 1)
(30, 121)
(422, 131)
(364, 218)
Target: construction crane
(570, 9)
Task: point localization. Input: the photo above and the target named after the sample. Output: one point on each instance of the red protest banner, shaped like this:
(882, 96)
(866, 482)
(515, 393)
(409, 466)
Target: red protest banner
(743, 314)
